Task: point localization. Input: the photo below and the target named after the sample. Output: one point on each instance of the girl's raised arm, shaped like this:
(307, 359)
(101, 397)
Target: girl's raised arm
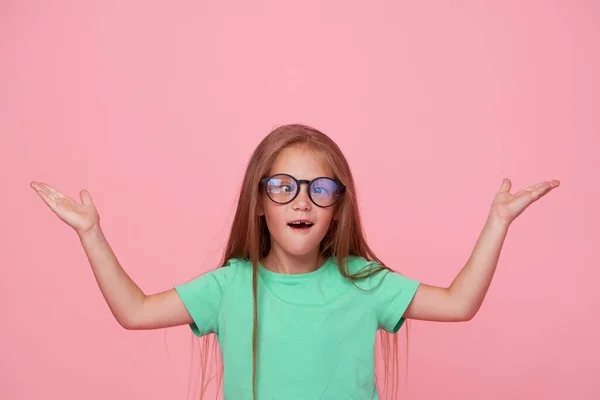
(463, 298)
(129, 305)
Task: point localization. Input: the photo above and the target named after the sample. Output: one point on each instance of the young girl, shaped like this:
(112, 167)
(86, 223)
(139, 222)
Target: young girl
(299, 296)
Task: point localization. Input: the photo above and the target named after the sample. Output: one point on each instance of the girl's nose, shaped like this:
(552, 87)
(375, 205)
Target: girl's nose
(302, 201)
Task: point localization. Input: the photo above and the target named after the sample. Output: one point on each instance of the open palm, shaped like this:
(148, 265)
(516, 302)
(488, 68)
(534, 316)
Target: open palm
(506, 207)
(80, 216)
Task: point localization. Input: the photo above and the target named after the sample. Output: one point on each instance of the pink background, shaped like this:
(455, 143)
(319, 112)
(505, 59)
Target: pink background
(155, 108)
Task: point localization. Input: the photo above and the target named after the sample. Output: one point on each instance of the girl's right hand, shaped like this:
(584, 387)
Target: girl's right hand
(81, 217)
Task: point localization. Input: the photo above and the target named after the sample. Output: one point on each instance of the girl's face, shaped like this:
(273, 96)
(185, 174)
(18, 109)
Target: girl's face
(301, 162)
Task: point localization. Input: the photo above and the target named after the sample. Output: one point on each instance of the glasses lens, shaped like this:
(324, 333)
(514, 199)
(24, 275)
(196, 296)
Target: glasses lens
(281, 188)
(324, 192)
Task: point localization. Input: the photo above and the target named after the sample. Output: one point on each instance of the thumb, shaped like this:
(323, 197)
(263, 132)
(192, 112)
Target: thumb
(86, 199)
(506, 184)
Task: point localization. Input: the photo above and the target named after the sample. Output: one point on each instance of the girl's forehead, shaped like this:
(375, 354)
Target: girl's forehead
(302, 162)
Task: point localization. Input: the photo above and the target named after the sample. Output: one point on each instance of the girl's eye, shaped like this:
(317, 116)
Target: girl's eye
(320, 190)
(286, 188)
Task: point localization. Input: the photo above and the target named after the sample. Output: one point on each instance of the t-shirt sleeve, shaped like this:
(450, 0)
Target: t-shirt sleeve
(202, 296)
(391, 294)
(392, 298)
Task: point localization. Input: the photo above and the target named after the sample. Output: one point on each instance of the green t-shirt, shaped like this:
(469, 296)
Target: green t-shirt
(316, 331)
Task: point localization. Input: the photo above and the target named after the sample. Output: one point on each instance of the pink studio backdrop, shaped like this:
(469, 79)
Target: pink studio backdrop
(155, 107)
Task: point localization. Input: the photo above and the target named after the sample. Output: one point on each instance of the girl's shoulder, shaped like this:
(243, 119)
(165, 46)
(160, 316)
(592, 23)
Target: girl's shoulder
(356, 264)
(236, 263)
(235, 267)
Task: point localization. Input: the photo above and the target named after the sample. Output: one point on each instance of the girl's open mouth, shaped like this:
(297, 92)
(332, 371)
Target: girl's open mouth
(300, 226)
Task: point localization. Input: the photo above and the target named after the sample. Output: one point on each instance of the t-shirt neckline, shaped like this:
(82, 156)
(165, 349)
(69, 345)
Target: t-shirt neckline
(308, 275)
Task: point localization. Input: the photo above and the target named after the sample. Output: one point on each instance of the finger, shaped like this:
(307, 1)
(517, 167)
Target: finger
(86, 199)
(539, 186)
(532, 190)
(37, 186)
(547, 187)
(40, 189)
(543, 187)
(506, 184)
(53, 191)
(537, 191)
(48, 200)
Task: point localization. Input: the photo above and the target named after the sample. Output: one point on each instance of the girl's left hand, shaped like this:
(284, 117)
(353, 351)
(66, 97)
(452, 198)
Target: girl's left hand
(506, 207)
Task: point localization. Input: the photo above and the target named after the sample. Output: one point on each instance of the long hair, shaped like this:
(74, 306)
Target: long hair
(249, 238)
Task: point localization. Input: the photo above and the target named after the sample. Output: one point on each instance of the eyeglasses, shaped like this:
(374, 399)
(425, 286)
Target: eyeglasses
(283, 188)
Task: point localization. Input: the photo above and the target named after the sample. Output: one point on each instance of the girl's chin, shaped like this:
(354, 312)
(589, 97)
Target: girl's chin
(298, 243)
(301, 251)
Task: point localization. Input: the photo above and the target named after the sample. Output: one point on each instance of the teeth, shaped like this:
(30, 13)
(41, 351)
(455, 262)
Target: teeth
(301, 223)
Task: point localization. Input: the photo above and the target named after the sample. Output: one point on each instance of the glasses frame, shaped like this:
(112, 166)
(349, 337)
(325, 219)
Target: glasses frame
(299, 182)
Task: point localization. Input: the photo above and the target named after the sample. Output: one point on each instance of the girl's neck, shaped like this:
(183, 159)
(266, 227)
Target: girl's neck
(285, 263)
